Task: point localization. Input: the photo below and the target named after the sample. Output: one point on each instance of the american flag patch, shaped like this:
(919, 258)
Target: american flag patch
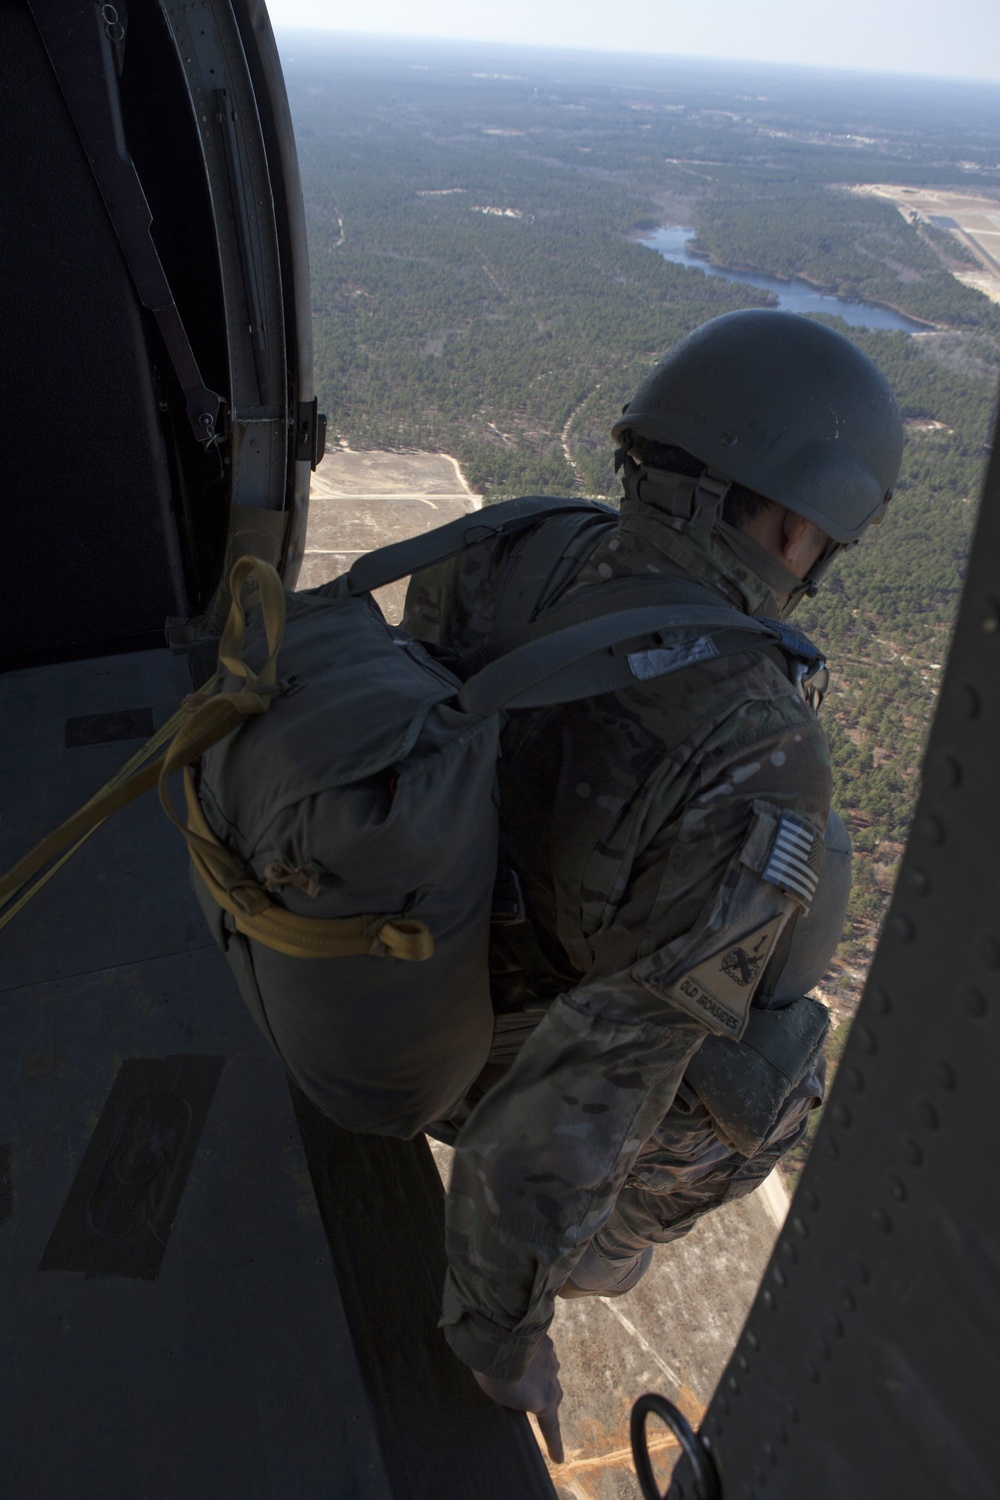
(796, 859)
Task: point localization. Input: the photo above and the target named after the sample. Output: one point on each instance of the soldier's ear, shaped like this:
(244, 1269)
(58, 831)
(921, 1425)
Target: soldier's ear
(792, 528)
(801, 543)
(795, 533)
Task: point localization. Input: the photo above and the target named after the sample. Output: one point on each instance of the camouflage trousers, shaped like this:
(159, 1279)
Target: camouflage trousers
(684, 1170)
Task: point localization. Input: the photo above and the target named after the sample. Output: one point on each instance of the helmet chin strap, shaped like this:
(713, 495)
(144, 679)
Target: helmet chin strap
(779, 579)
(698, 501)
(817, 572)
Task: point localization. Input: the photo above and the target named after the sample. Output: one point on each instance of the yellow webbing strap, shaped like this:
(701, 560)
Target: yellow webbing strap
(205, 719)
(271, 597)
(229, 883)
(123, 787)
(298, 937)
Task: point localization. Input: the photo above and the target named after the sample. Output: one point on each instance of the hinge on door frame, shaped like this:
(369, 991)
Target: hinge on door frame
(310, 432)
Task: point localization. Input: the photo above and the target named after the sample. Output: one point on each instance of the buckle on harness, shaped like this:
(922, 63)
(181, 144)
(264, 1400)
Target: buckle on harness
(812, 680)
(706, 501)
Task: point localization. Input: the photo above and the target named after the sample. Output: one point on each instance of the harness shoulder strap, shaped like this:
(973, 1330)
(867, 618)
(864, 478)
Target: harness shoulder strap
(608, 599)
(692, 607)
(579, 661)
(387, 564)
(548, 561)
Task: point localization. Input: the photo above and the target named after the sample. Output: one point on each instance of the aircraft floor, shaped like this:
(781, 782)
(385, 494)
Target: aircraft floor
(226, 1369)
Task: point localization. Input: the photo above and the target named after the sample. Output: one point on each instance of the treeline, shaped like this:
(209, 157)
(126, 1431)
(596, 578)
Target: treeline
(855, 246)
(906, 579)
(440, 326)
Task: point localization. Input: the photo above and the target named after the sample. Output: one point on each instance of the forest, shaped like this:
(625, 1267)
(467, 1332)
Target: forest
(856, 247)
(481, 288)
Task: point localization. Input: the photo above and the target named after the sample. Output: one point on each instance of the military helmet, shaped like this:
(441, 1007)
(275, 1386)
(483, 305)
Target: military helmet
(784, 406)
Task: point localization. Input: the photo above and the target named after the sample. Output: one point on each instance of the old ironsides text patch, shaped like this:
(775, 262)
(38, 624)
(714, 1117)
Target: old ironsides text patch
(718, 990)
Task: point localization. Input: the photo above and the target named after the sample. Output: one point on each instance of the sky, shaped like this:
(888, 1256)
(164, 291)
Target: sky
(948, 39)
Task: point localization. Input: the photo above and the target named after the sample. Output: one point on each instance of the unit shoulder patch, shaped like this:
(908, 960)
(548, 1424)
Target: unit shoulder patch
(718, 991)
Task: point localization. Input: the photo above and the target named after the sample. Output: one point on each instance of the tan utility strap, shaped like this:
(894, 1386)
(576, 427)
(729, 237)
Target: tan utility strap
(299, 937)
(205, 719)
(229, 883)
(271, 597)
(11, 912)
(210, 722)
(114, 795)
(89, 817)
(128, 783)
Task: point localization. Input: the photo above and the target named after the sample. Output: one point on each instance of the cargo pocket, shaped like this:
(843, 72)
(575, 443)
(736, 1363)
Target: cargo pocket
(753, 1171)
(750, 1175)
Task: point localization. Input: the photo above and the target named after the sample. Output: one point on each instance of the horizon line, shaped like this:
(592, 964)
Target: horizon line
(622, 53)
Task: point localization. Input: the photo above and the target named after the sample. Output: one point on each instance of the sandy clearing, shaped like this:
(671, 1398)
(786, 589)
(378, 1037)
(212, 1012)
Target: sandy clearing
(347, 472)
(363, 500)
(974, 222)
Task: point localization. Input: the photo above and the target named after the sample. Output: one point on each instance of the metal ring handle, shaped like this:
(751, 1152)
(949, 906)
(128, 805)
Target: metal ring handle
(706, 1477)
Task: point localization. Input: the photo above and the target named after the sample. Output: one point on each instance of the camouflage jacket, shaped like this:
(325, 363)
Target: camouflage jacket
(639, 824)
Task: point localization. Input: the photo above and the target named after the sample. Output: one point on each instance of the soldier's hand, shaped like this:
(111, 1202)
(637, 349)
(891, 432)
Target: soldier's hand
(538, 1391)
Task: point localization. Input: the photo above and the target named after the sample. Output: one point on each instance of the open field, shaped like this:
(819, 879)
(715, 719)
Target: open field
(971, 218)
(360, 501)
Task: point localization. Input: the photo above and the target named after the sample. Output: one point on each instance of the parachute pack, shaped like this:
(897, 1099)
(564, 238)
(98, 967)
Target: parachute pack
(341, 804)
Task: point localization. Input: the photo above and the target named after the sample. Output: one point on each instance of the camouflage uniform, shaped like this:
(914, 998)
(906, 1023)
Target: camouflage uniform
(634, 821)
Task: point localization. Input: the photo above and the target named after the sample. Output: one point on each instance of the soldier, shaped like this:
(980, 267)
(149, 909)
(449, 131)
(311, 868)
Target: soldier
(668, 840)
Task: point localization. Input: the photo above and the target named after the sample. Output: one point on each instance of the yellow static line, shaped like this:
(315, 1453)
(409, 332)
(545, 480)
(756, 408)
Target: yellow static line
(600, 1460)
(620, 1455)
(34, 884)
(32, 890)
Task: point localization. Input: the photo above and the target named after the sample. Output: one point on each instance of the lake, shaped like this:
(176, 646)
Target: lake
(793, 296)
